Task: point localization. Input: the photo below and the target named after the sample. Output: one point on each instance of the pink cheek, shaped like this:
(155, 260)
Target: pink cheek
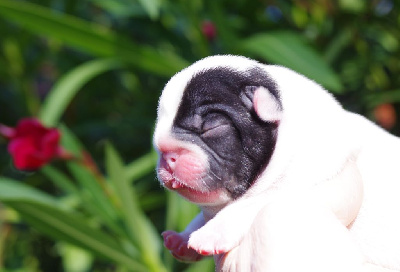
(189, 169)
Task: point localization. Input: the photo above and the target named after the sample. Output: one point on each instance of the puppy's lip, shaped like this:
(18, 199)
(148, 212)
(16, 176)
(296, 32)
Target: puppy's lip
(195, 195)
(191, 193)
(169, 181)
(173, 184)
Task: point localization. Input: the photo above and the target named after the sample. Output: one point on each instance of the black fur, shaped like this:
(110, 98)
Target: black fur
(216, 113)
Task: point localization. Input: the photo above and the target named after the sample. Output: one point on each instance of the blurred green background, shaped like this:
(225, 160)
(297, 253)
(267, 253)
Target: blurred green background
(106, 61)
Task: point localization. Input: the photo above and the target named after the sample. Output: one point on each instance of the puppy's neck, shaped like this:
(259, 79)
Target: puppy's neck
(210, 211)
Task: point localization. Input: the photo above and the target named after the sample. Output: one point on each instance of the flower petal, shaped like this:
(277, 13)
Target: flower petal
(24, 154)
(49, 144)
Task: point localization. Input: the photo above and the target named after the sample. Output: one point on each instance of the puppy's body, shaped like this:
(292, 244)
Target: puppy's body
(305, 168)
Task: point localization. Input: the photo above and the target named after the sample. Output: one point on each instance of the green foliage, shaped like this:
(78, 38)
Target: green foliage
(89, 37)
(95, 69)
(66, 88)
(288, 49)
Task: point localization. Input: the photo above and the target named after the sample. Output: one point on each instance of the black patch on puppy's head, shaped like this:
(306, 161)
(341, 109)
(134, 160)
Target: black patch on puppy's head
(216, 113)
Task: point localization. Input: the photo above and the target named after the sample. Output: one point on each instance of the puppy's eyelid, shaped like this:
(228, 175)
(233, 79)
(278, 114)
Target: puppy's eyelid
(214, 121)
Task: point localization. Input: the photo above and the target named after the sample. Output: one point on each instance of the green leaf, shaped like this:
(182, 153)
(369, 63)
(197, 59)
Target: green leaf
(75, 258)
(70, 142)
(67, 87)
(94, 191)
(353, 6)
(59, 179)
(179, 212)
(90, 37)
(374, 99)
(178, 215)
(73, 229)
(15, 190)
(45, 213)
(289, 49)
(141, 166)
(119, 9)
(141, 230)
(205, 265)
(337, 44)
(152, 7)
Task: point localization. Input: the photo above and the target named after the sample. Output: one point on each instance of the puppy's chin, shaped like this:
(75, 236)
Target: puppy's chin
(197, 195)
(216, 197)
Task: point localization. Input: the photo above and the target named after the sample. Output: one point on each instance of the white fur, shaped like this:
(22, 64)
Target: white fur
(316, 140)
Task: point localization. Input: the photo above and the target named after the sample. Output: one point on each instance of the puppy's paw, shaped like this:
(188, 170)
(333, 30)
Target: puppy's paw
(212, 242)
(177, 243)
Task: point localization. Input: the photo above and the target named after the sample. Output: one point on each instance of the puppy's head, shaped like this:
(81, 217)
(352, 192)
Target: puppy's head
(216, 128)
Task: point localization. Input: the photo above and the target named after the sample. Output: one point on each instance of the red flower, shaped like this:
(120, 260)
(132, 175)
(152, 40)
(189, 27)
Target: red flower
(31, 144)
(209, 30)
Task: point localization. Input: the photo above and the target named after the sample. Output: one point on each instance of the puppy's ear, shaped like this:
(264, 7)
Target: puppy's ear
(265, 104)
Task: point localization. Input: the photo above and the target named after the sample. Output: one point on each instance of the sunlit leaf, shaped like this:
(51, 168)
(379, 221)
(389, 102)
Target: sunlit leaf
(46, 214)
(152, 7)
(67, 87)
(94, 191)
(179, 212)
(15, 190)
(75, 258)
(140, 228)
(73, 229)
(89, 37)
(120, 8)
(141, 166)
(207, 264)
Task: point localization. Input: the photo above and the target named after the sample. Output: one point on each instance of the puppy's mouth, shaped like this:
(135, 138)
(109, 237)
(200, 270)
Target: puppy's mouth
(174, 184)
(200, 196)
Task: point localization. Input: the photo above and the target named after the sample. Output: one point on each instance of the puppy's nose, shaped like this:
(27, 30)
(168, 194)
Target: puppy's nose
(171, 159)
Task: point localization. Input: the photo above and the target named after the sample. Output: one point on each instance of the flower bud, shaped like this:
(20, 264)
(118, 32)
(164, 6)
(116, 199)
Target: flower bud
(209, 30)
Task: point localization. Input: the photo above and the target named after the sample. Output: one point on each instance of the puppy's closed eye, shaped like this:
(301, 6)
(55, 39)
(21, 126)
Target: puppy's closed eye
(215, 124)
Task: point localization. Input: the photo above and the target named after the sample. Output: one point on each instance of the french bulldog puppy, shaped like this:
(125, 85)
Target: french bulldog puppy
(287, 180)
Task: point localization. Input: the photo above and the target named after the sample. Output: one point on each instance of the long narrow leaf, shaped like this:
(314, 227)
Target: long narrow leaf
(152, 7)
(73, 229)
(44, 212)
(140, 228)
(15, 190)
(141, 166)
(179, 212)
(67, 87)
(70, 142)
(89, 37)
(59, 179)
(205, 265)
(374, 99)
(93, 187)
(97, 198)
(93, 191)
(289, 49)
